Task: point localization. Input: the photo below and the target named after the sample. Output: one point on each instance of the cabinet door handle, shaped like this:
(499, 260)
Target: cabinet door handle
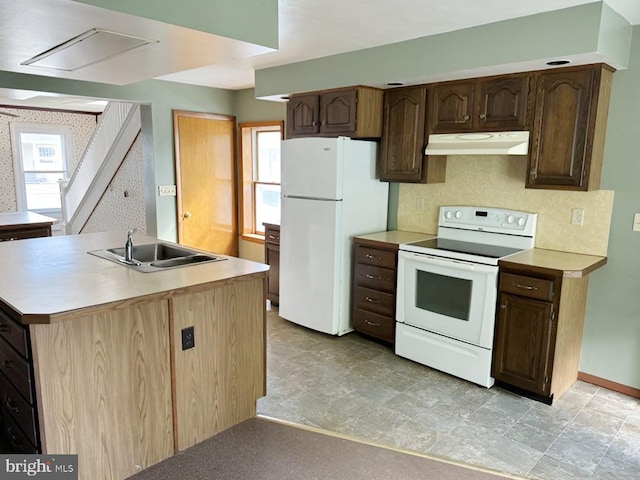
(7, 363)
(466, 117)
(373, 324)
(4, 328)
(483, 116)
(526, 287)
(11, 405)
(372, 300)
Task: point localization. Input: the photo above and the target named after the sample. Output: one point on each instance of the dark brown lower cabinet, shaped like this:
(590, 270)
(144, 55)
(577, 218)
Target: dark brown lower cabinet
(272, 258)
(523, 339)
(538, 333)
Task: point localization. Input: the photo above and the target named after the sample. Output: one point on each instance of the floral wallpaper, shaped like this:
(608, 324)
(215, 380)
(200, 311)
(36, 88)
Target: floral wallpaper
(122, 204)
(82, 127)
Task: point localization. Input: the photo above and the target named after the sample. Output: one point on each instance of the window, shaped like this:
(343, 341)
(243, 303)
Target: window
(40, 160)
(260, 174)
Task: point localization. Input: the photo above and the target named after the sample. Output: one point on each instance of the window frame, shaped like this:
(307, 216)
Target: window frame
(246, 173)
(16, 130)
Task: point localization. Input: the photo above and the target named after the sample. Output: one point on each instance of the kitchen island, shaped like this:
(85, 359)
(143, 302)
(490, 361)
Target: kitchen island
(105, 363)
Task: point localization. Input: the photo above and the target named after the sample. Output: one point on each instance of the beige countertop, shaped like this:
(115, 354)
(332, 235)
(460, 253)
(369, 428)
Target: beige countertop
(50, 279)
(573, 265)
(24, 218)
(395, 237)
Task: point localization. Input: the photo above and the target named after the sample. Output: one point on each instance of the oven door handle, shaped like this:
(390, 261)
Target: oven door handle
(449, 262)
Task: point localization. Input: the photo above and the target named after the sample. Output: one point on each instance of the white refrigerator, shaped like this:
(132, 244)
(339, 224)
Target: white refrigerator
(329, 194)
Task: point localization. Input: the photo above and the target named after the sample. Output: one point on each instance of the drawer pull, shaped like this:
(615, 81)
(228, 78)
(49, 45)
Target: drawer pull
(11, 405)
(7, 363)
(370, 257)
(4, 328)
(526, 287)
(373, 276)
(273, 237)
(373, 324)
(372, 300)
(8, 239)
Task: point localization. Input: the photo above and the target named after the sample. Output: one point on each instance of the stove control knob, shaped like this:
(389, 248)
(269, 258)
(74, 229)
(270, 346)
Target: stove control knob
(511, 219)
(448, 214)
(459, 214)
(520, 221)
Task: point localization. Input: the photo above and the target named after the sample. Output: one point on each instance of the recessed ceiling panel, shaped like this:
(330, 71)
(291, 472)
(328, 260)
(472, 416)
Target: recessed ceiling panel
(90, 47)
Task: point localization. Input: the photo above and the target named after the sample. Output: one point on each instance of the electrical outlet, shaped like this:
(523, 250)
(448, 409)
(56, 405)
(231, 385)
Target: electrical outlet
(636, 222)
(188, 338)
(577, 216)
(167, 190)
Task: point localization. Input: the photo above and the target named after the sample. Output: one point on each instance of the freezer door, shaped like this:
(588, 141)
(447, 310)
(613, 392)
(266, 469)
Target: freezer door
(310, 259)
(312, 167)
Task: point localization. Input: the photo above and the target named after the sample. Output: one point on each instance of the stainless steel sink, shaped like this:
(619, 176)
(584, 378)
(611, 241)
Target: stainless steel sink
(155, 257)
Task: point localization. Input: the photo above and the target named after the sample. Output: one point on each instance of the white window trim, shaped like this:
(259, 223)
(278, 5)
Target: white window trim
(17, 129)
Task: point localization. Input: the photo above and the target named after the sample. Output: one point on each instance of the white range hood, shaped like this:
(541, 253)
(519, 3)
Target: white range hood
(481, 143)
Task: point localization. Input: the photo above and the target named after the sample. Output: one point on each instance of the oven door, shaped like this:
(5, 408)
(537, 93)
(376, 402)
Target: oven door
(449, 297)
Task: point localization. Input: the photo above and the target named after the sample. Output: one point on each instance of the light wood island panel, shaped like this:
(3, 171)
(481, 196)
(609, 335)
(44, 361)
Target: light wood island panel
(218, 381)
(104, 389)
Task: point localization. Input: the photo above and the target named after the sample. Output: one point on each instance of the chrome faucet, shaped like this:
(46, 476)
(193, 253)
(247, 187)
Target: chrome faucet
(128, 246)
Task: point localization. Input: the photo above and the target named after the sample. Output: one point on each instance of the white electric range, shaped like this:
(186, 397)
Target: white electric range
(447, 288)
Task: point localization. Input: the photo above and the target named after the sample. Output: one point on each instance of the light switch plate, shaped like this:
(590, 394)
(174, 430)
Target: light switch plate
(167, 190)
(636, 222)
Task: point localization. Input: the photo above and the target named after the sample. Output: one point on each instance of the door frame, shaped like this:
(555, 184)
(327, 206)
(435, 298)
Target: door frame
(178, 175)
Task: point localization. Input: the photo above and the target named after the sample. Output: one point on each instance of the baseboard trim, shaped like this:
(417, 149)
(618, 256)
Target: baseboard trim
(608, 384)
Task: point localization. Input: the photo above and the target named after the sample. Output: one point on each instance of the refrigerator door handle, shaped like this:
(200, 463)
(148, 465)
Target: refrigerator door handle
(313, 198)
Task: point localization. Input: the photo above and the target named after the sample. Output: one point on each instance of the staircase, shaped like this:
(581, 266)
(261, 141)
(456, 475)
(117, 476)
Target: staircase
(116, 130)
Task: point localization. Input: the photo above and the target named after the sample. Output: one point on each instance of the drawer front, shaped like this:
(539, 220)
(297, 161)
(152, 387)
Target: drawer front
(373, 256)
(16, 370)
(14, 437)
(14, 333)
(272, 235)
(373, 324)
(530, 287)
(27, 233)
(376, 278)
(374, 301)
(21, 411)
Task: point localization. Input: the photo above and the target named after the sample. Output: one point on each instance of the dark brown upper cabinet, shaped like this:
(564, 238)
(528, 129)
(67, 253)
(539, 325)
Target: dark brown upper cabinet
(491, 104)
(402, 156)
(354, 112)
(567, 143)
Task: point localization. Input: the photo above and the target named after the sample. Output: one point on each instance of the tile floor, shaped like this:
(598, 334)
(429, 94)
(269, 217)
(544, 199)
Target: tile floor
(355, 386)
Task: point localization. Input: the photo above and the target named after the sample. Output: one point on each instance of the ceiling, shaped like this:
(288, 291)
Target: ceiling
(307, 29)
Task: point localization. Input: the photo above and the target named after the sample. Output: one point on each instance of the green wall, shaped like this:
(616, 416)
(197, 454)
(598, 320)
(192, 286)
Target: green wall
(528, 40)
(611, 342)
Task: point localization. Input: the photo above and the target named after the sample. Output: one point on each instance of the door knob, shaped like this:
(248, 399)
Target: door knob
(186, 214)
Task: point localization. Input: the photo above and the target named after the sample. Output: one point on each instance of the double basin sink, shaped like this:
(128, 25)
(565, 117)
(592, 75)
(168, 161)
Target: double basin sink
(155, 257)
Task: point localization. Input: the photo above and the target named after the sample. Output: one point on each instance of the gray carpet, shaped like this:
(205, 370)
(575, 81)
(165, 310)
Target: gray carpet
(261, 449)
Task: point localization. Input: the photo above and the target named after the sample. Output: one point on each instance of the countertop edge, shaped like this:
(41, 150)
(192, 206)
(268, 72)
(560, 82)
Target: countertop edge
(43, 319)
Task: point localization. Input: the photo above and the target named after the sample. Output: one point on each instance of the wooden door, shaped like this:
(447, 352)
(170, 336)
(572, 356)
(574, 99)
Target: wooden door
(523, 347)
(561, 146)
(402, 154)
(338, 112)
(303, 113)
(206, 181)
(452, 107)
(503, 104)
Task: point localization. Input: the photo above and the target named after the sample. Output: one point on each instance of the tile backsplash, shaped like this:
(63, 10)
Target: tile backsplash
(498, 181)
